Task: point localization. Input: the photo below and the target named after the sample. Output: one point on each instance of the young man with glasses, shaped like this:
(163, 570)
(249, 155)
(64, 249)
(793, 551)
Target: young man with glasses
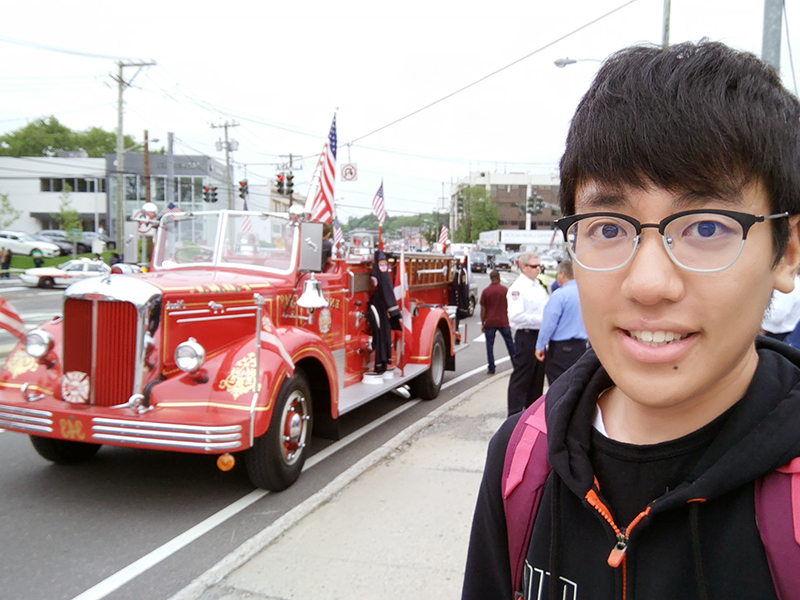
(681, 186)
(526, 297)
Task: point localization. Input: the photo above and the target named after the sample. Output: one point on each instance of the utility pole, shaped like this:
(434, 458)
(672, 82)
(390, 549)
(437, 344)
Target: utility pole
(121, 85)
(771, 38)
(147, 196)
(170, 189)
(665, 31)
(225, 126)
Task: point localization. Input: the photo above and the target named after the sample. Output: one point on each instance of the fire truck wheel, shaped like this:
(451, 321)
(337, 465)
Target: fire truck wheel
(277, 457)
(472, 304)
(63, 452)
(428, 384)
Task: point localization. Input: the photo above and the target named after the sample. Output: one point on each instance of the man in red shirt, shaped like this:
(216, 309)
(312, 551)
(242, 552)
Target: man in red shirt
(494, 318)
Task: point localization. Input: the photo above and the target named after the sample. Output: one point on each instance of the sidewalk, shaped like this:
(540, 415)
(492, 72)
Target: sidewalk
(395, 525)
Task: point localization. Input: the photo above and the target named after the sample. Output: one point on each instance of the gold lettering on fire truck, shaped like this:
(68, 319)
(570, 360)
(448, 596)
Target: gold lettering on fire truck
(242, 378)
(177, 305)
(71, 430)
(333, 303)
(21, 362)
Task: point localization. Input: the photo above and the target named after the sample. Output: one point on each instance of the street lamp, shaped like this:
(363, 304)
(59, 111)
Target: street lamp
(563, 62)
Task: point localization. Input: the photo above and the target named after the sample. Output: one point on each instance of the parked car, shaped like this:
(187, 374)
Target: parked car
(63, 245)
(24, 244)
(548, 263)
(477, 262)
(502, 262)
(84, 242)
(65, 273)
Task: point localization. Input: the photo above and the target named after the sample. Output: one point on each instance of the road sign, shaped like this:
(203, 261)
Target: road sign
(350, 172)
(144, 226)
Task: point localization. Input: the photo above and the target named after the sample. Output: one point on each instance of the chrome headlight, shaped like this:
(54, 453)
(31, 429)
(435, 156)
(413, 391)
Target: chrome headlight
(38, 343)
(190, 356)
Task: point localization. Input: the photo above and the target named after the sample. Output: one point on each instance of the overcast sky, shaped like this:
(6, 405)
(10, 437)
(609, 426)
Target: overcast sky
(281, 69)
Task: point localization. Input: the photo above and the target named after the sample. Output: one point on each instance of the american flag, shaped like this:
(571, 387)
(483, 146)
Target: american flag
(444, 235)
(322, 209)
(378, 206)
(10, 319)
(247, 226)
(171, 208)
(338, 236)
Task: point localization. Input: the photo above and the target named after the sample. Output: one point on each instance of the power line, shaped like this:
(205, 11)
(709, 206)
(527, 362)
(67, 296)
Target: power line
(38, 46)
(493, 73)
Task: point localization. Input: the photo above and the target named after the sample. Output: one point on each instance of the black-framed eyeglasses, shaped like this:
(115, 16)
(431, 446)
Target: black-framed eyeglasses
(702, 241)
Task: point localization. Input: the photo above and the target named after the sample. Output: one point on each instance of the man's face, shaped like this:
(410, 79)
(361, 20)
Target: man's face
(530, 267)
(711, 318)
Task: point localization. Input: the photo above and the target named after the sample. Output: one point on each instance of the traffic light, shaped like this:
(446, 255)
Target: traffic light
(539, 205)
(530, 206)
(213, 194)
(279, 183)
(243, 189)
(289, 183)
(461, 204)
(206, 194)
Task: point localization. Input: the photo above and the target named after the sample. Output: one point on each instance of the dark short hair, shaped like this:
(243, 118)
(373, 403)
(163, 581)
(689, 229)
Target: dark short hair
(700, 118)
(326, 229)
(494, 274)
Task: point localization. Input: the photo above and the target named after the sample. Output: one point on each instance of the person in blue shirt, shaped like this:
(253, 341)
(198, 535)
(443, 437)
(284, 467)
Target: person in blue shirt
(562, 333)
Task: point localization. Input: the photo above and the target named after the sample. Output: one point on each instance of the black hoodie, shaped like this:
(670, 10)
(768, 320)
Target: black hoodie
(693, 498)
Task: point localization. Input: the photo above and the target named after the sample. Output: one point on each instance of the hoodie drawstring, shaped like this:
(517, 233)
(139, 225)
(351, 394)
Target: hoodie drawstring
(702, 590)
(555, 538)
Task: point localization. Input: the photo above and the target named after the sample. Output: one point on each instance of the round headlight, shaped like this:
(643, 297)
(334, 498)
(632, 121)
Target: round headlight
(38, 343)
(189, 356)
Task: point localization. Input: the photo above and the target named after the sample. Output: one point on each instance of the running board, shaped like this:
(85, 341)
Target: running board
(360, 393)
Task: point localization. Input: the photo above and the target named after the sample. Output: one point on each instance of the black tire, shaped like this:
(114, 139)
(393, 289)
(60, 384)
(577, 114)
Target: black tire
(427, 385)
(472, 304)
(46, 282)
(277, 457)
(63, 452)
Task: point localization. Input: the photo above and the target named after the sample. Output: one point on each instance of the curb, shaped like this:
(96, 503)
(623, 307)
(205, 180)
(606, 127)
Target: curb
(265, 537)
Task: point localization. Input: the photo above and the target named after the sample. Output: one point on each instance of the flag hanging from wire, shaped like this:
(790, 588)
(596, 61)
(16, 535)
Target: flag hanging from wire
(247, 226)
(444, 235)
(10, 319)
(171, 208)
(322, 209)
(338, 236)
(378, 205)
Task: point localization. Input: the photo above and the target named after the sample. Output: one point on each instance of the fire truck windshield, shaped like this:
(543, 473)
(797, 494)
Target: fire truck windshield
(228, 238)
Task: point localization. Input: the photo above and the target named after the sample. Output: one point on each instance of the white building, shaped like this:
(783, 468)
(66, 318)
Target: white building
(35, 184)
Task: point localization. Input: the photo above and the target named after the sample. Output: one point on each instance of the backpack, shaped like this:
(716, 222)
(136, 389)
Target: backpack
(526, 468)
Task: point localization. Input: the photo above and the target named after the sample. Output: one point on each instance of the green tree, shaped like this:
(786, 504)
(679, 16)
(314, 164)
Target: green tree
(480, 214)
(68, 218)
(8, 214)
(46, 136)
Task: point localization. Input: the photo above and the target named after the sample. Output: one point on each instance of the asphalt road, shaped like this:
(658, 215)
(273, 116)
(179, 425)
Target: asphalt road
(134, 524)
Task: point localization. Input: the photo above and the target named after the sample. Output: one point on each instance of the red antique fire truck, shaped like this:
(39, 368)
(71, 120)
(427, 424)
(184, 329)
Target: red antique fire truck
(238, 340)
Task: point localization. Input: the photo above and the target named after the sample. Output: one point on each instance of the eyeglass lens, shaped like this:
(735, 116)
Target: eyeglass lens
(701, 242)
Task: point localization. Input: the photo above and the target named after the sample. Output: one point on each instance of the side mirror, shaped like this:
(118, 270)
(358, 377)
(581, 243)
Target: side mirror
(311, 247)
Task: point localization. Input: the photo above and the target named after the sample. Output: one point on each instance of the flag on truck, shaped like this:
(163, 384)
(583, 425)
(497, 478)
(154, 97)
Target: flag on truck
(322, 208)
(338, 235)
(444, 236)
(404, 303)
(10, 319)
(378, 205)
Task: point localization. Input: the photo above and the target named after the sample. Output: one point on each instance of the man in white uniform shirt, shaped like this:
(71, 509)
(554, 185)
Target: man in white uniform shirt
(527, 297)
(783, 313)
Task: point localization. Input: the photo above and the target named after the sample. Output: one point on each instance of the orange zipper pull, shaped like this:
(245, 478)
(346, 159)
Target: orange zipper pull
(618, 552)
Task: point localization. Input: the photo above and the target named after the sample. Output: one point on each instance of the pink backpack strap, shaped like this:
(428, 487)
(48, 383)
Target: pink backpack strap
(777, 498)
(524, 473)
